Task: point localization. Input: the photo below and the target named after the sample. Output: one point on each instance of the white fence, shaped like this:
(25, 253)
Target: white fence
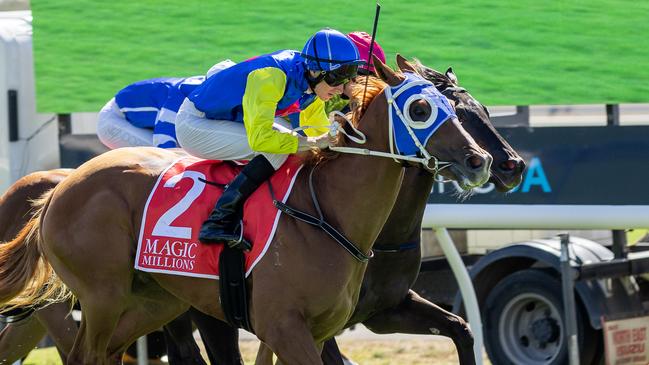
(442, 216)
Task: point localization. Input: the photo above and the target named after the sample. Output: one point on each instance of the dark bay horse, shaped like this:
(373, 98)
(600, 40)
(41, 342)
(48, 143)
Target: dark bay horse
(387, 304)
(86, 231)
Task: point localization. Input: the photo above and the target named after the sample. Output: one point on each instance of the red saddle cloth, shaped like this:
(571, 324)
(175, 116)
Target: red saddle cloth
(179, 203)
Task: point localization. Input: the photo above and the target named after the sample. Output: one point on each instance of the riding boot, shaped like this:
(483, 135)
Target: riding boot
(223, 224)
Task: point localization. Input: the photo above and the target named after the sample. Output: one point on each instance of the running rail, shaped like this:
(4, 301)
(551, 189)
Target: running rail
(439, 217)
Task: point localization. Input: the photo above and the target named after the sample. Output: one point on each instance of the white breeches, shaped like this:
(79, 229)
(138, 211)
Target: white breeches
(219, 139)
(114, 131)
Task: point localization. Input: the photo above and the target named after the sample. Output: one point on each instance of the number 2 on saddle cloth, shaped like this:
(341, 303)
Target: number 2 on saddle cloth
(184, 195)
(180, 200)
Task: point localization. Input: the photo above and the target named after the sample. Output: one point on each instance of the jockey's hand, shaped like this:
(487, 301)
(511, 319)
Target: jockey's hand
(307, 143)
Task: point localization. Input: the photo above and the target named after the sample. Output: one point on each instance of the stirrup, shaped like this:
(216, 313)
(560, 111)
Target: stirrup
(242, 243)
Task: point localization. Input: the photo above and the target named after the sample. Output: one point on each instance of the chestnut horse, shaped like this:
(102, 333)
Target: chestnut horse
(505, 174)
(17, 339)
(87, 227)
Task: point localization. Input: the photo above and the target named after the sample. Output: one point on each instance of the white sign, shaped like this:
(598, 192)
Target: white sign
(625, 341)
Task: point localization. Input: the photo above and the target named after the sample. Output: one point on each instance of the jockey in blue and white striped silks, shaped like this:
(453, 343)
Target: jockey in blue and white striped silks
(144, 113)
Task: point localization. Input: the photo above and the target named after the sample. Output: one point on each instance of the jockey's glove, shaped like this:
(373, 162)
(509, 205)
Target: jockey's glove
(307, 143)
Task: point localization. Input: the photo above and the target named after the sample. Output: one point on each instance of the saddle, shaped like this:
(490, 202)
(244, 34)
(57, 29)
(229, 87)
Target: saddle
(177, 205)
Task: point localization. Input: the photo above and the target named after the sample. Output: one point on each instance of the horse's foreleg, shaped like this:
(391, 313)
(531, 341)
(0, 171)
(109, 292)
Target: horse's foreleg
(179, 338)
(60, 325)
(264, 355)
(220, 339)
(145, 315)
(98, 321)
(288, 336)
(416, 315)
(331, 353)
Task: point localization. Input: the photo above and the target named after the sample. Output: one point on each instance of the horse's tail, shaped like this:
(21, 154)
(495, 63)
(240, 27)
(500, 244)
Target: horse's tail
(26, 277)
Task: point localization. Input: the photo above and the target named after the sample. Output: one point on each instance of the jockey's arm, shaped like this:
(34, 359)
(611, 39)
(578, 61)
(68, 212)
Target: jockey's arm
(164, 135)
(264, 88)
(314, 115)
(164, 130)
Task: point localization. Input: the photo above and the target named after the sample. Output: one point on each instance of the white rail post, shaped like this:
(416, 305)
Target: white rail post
(142, 351)
(466, 288)
(569, 310)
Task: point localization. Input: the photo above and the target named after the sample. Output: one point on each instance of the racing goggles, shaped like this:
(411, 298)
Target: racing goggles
(341, 75)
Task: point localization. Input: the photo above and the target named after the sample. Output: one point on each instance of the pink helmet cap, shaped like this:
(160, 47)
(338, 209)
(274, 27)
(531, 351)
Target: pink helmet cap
(362, 41)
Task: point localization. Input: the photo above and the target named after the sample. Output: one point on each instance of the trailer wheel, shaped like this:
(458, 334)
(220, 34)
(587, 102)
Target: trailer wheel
(523, 317)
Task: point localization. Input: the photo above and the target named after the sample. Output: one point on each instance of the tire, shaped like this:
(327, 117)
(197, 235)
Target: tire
(523, 317)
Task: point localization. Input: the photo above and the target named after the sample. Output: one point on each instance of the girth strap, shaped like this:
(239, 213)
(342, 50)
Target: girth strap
(320, 222)
(393, 248)
(233, 291)
(331, 231)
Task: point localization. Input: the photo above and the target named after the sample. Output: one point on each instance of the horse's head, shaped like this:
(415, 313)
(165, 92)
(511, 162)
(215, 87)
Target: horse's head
(507, 168)
(421, 123)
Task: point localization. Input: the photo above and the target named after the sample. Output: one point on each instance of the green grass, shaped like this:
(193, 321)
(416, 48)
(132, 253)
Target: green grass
(511, 52)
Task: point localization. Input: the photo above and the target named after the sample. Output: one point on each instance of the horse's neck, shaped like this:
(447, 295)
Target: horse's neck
(404, 222)
(356, 194)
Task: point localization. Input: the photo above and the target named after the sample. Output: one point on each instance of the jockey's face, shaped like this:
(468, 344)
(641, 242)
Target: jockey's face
(347, 89)
(325, 92)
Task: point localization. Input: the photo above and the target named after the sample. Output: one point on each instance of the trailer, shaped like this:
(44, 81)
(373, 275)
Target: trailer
(28, 140)
(586, 178)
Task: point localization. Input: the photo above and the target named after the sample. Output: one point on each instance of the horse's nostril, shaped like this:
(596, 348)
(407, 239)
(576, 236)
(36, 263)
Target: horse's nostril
(475, 162)
(521, 165)
(508, 165)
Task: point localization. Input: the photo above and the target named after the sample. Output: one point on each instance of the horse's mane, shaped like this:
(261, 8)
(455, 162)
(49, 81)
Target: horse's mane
(358, 103)
(440, 80)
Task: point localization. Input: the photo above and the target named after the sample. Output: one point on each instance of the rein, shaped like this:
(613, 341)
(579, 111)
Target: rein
(336, 128)
(423, 157)
(320, 222)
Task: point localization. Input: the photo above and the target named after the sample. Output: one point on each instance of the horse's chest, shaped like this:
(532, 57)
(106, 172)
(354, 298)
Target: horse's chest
(331, 302)
(328, 324)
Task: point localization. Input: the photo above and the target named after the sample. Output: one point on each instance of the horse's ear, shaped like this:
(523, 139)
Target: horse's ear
(451, 76)
(404, 65)
(386, 74)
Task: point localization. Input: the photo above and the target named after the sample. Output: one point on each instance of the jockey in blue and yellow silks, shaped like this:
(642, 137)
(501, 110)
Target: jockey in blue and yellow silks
(232, 116)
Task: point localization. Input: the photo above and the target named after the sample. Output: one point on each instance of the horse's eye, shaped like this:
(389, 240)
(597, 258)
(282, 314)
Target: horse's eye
(420, 110)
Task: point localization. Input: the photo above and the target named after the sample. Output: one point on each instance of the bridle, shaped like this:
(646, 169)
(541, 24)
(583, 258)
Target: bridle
(398, 117)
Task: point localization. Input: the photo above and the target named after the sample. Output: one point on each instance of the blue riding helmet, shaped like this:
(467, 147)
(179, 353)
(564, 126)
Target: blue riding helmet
(328, 50)
(333, 54)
